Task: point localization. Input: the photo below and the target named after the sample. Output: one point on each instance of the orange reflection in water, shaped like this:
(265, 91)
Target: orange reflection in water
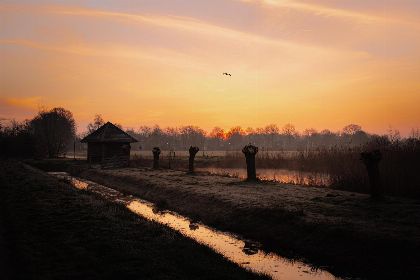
(285, 176)
(232, 248)
(244, 253)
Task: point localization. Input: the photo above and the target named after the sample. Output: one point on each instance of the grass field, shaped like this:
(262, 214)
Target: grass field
(398, 168)
(51, 231)
(348, 232)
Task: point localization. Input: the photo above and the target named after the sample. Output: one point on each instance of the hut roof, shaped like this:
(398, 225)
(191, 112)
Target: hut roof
(109, 133)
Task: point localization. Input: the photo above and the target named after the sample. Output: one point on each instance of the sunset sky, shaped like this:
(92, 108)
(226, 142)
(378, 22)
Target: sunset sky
(321, 64)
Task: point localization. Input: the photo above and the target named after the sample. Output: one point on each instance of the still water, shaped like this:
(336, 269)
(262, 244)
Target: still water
(279, 175)
(242, 252)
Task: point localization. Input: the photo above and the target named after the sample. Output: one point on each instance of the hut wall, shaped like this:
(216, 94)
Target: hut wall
(116, 155)
(109, 154)
(94, 152)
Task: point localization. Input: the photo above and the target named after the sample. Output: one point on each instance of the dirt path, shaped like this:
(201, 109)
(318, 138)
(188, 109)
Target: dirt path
(343, 230)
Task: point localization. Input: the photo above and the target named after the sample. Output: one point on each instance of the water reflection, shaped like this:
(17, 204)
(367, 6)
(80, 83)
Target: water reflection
(245, 253)
(279, 175)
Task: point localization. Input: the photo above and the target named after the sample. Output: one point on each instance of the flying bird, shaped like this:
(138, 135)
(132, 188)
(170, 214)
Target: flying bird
(227, 74)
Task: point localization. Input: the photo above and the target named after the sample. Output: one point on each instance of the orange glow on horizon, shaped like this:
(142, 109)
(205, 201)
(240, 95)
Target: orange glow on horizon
(320, 66)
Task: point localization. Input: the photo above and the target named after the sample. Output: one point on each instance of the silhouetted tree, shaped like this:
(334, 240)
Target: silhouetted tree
(98, 121)
(217, 137)
(394, 135)
(156, 153)
(309, 132)
(192, 135)
(235, 137)
(193, 151)
(415, 133)
(250, 151)
(157, 136)
(327, 138)
(371, 161)
(271, 131)
(172, 137)
(53, 130)
(352, 129)
(289, 131)
(310, 136)
(268, 138)
(217, 132)
(359, 138)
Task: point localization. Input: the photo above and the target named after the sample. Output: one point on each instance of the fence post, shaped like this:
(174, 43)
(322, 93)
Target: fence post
(193, 151)
(250, 151)
(156, 153)
(371, 161)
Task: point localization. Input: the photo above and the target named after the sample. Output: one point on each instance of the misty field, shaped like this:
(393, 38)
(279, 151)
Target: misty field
(336, 167)
(339, 168)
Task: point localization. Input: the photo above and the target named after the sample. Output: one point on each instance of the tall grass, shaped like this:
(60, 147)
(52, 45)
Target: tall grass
(399, 167)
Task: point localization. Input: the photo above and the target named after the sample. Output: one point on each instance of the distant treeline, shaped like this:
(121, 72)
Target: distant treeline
(269, 138)
(52, 133)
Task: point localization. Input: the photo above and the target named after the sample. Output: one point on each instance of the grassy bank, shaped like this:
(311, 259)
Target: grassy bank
(51, 231)
(345, 231)
(398, 167)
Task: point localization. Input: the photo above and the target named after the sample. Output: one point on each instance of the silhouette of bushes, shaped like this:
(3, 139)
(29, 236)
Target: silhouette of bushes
(16, 140)
(47, 134)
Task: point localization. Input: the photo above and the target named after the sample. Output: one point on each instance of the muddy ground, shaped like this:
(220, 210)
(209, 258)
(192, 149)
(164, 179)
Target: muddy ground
(49, 230)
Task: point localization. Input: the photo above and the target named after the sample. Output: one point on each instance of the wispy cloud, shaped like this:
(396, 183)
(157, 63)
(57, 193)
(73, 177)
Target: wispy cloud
(32, 102)
(322, 10)
(178, 23)
(164, 56)
(120, 62)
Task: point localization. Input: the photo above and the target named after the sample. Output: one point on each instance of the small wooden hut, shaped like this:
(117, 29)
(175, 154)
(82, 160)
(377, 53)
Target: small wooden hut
(109, 146)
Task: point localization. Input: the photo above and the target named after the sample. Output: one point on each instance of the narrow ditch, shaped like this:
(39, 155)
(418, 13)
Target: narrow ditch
(245, 253)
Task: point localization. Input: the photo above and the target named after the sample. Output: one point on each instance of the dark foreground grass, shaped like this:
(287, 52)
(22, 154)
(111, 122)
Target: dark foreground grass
(49, 230)
(361, 237)
(347, 250)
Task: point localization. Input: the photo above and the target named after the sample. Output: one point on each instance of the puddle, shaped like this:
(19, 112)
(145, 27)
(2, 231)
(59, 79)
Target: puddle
(245, 253)
(279, 175)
